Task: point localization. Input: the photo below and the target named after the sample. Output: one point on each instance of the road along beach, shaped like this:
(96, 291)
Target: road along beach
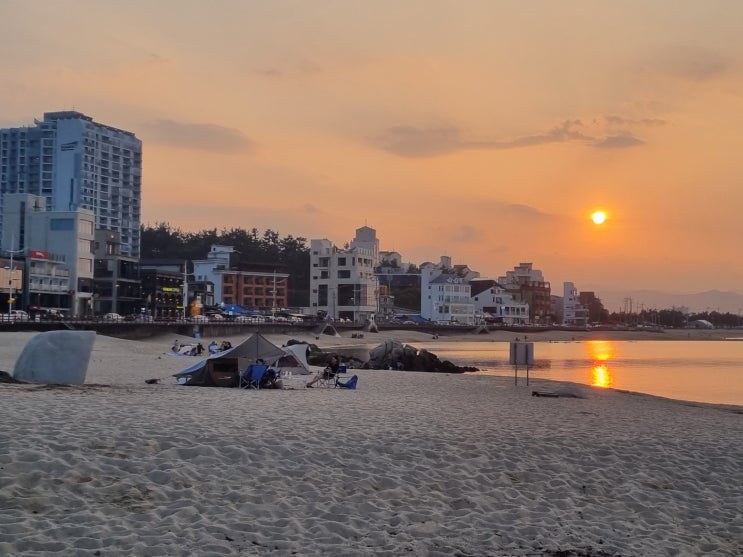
(409, 463)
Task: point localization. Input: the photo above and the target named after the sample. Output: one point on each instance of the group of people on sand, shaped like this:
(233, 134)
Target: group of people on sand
(188, 349)
(214, 347)
(184, 349)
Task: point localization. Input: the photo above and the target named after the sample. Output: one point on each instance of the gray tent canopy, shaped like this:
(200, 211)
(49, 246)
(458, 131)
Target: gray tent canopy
(224, 368)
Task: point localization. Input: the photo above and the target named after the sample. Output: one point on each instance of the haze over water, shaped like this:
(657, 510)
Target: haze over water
(709, 371)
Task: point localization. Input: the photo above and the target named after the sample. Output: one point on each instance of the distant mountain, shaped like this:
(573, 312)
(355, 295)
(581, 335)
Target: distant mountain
(712, 300)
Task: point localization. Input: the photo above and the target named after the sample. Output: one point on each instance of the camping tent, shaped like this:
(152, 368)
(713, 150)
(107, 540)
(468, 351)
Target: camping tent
(294, 359)
(223, 368)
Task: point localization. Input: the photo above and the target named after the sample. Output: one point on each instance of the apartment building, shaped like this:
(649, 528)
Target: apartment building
(76, 163)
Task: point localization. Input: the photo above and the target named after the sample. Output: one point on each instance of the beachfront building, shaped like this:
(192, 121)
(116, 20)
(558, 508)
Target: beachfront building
(528, 285)
(494, 304)
(249, 286)
(446, 292)
(574, 314)
(56, 250)
(342, 281)
(117, 287)
(162, 291)
(75, 163)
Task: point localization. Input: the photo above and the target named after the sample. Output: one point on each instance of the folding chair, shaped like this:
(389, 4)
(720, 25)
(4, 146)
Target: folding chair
(340, 374)
(329, 377)
(251, 378)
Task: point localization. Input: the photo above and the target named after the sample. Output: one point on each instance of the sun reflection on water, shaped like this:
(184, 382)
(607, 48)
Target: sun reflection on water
(601, 352)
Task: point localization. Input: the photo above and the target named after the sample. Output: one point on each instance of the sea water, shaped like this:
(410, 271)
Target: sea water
(702, 371)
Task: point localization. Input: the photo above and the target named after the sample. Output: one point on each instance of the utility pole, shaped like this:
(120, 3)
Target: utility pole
(185, 287)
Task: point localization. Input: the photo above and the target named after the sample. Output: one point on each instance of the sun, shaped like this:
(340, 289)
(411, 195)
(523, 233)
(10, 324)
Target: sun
(598, 217)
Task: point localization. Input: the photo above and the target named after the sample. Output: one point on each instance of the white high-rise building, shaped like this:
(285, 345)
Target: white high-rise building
(76, 163)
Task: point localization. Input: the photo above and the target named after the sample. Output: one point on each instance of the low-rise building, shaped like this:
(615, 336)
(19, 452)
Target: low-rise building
(256, 286)
(446, 292)
(62, 244)
(495, 304)
(528, 285)
(574, 314)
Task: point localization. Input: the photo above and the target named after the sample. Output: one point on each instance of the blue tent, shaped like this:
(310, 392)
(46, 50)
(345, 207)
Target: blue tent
(231, 309)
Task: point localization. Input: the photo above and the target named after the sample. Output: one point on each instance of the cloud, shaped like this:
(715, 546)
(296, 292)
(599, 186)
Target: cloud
(614, 120)
(408, 141)
(466, 233)
(302, 67)
(619, 142)
(524, 210)
(206, 137)
(690, 63)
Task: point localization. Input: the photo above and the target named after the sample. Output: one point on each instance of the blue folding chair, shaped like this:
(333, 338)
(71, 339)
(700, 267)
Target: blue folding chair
(251, 378)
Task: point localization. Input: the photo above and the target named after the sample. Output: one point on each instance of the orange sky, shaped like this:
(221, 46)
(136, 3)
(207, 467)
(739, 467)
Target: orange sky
(483, 130)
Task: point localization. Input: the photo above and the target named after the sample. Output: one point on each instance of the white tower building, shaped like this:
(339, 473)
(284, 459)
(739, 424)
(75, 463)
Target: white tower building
(342, 281)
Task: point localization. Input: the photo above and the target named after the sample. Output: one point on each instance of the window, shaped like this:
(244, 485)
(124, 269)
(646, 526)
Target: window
(62, 224)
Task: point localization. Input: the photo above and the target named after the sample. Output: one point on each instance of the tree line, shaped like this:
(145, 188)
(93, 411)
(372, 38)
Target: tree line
(257, 251)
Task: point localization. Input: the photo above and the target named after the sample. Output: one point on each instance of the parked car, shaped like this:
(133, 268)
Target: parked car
(143, 318)
(14, 315)
(50, 314)
(246, 319)
(112, 317)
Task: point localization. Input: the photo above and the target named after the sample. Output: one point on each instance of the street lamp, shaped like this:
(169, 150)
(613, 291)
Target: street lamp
(12, 252)
(273, 305)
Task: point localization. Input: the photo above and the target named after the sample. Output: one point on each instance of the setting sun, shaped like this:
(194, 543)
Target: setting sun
(598, 217)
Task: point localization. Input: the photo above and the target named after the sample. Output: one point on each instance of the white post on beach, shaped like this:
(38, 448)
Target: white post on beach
(521, 353)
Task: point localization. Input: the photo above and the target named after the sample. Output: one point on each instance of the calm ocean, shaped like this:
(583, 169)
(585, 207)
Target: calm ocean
(701, 371)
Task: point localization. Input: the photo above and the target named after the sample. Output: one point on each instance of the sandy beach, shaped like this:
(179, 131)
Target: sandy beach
(407, 464)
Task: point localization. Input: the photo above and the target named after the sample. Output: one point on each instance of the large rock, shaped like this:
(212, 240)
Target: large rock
(56, 357)
(394, 355)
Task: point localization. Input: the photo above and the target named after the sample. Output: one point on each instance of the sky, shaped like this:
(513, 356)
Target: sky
(487, 131)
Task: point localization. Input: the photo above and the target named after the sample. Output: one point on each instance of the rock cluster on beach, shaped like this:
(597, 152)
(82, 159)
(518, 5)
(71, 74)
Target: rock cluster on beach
(391, 354)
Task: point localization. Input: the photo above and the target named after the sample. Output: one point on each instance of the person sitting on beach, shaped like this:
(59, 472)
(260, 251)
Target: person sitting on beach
(271, 380)
(328, 373)
(199, 349)
(213, 347)
(226, 345)
(176, 346)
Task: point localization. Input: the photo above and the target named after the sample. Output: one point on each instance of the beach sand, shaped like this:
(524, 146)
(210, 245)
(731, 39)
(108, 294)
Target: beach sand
(407, 464)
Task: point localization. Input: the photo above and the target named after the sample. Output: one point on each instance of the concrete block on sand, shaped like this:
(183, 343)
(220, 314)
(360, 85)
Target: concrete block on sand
(57, 357)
